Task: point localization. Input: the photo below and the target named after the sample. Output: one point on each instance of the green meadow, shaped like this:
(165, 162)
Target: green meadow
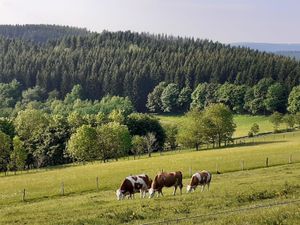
(232, 190)
(243, 123)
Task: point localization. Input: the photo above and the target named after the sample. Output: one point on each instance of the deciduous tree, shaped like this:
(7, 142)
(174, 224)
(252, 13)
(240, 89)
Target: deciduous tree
(83, 145)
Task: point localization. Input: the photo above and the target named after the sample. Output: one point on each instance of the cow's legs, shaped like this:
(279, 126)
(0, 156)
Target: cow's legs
(208, 186)
(180, 187)
(160, 192)
(203, 186)
(175, 188)
(131, 195)
(141, 192)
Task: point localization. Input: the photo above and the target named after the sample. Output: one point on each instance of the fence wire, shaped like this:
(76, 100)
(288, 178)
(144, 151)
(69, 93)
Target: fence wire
(177, 220)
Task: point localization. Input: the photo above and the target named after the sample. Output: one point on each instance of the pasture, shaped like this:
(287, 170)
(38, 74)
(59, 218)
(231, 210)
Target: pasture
(243, 123)
(82, 203)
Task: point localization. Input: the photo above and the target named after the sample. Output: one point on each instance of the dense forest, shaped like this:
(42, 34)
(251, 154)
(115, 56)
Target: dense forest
(132, 64)
(40, 34)
(75, 98)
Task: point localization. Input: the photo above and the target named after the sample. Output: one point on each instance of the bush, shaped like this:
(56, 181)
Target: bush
(276, 120)
(253, 130)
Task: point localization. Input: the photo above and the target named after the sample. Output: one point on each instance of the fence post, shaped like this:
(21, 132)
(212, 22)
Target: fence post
(217, 168)
(62, 188)
(190, 171)
(97, 183)
(242, 164)
(290, 159)
(23, 194)
(267, 162)
(162, 170)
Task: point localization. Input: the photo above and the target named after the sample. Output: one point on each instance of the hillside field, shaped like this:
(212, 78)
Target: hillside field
(232, 190)
(243, 123)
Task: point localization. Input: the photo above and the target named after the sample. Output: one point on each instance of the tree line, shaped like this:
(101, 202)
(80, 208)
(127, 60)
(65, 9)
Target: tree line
(265, 97)
(132, 64)
(42, 130)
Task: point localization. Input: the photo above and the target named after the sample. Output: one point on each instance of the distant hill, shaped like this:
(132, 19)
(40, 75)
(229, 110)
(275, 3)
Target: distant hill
(289, 50)
(269, 47)
(292, 54)
(132, 64)
(40, 33)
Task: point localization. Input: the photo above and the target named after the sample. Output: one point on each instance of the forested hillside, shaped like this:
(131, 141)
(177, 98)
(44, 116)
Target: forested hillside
(40, 33)
(75, 98)
(132, 64)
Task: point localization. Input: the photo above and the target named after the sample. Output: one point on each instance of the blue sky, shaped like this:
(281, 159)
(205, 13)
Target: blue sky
(274, 21)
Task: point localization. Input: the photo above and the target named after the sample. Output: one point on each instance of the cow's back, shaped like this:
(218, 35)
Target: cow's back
(205, 177)
(167, 179)
(145, 178)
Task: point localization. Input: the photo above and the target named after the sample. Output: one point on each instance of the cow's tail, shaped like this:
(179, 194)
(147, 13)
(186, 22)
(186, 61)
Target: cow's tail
(210, 176)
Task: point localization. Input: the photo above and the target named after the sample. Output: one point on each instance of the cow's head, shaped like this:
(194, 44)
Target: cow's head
(190, 188)
(151, 193)
(120, 194)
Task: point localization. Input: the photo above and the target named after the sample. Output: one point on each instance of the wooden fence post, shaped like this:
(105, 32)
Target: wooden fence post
(62, 188)
(97, 183)
(290, 159)
(242, 164)
(267, 162)
(190, 171)
(23, 194)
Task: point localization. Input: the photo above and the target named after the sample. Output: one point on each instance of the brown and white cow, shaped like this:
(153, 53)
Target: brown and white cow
(133, 184)
(200, 178)
(166, 180)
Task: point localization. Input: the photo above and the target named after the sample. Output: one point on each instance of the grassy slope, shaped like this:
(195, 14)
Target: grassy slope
(228, 192)
(83, 203)
(243, 122)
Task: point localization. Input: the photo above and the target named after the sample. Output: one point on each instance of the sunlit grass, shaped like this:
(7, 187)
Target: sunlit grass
(229, 191)
(46, 183)
(83, 204)
(243, 123)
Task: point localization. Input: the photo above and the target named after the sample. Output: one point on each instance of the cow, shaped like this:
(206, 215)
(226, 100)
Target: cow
(165, 179)
(200, 178)
(133, 184)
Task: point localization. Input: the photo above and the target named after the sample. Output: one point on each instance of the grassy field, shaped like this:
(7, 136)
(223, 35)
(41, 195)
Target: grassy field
(83, 204)
(243, 122)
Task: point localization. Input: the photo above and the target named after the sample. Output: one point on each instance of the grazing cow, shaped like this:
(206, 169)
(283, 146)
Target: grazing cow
(166, 180)
(200, 178)
(133, 184)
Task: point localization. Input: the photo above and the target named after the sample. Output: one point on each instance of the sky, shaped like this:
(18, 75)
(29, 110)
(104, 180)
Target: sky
(227, 21)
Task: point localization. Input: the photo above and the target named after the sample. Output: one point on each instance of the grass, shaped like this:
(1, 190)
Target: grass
(243, 122)
(83, 204)
(254, 187)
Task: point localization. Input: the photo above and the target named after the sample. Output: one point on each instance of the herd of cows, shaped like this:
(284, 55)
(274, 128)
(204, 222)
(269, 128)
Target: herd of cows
(143, 184)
